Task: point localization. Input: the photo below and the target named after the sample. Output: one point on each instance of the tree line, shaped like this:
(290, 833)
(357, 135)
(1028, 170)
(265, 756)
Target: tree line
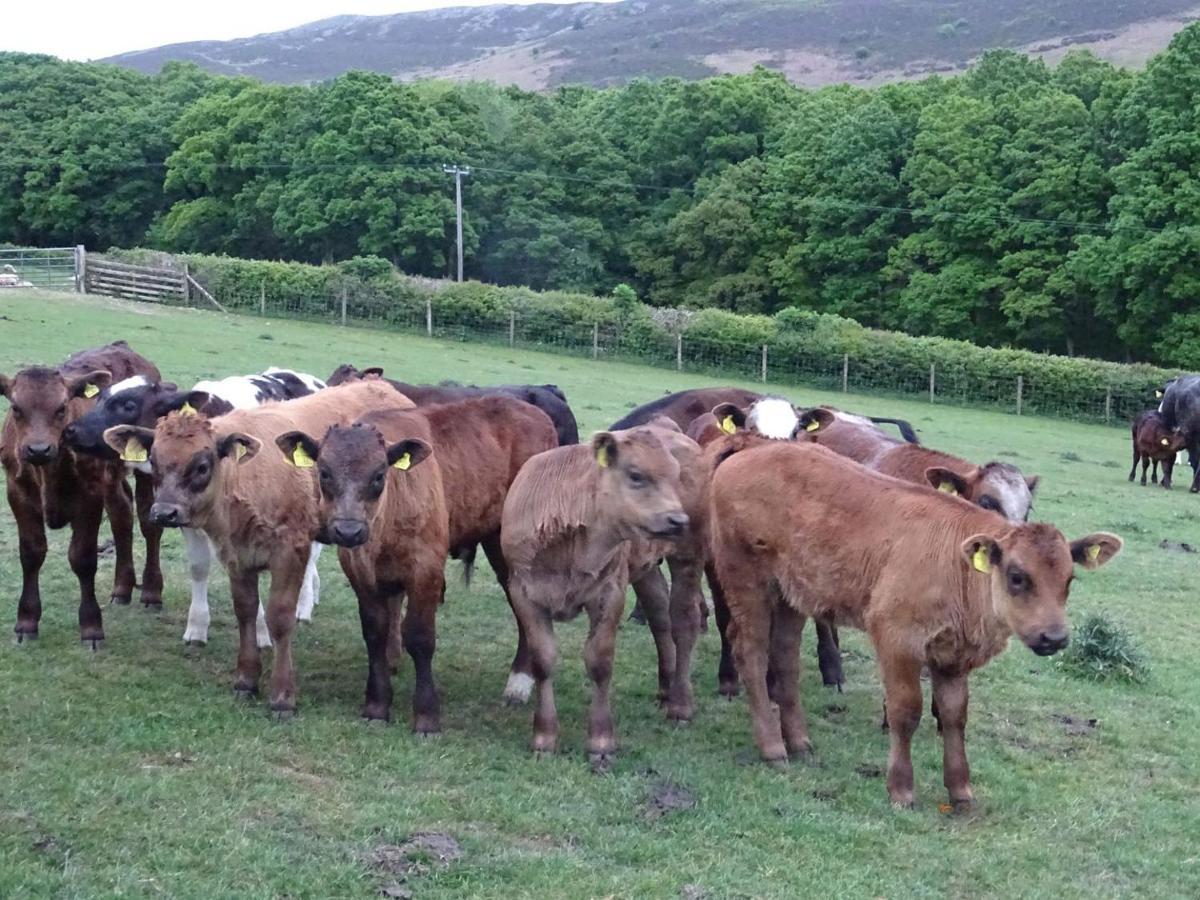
(1046, 208)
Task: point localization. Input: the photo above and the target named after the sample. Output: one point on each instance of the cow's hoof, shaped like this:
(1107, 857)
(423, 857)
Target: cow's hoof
(778, 763)
(729, 689)
(282, 711)
(602, 763)
(376, 712)
(962, 806)
(23, 636)
(152, 604)
(802, 752)
(245, 691)
(427, 735)
(539, 755)
(120, 599)
(194, 642)
(518, 689)
(94, 643)
(679, 714)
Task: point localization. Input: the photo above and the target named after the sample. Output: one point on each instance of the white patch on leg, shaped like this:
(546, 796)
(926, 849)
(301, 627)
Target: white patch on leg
(310, 590)
(199, 554)
(262, 633)
(519, 687)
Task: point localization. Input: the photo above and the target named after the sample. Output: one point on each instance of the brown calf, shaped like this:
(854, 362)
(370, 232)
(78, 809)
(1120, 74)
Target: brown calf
(259, 511)
(401, 490)
(568, 524)
(49, 485)
(936, 582)
(1154, 442)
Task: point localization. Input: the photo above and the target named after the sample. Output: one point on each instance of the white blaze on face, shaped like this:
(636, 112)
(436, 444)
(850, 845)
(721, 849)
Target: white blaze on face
(773, 417)
(1008, 486)
(134, 381)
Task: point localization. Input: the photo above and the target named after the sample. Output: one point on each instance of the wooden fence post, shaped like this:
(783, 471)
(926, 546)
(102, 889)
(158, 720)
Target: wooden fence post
(595, 340)
(1020, 392)
(429, 317)
(679, 352)
(187, 286)
(932, 382)
(512, 328)
(1108, 404)
(343, 304)
(262, 299)
(80, 269)
(764, 364)
(845, 373)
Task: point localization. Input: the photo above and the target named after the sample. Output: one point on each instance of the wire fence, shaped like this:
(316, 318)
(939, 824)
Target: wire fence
(359, 306)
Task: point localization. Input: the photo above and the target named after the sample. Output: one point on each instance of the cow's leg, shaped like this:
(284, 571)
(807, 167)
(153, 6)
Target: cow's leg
(199, 555)
(310, 590)
(950, 694)
(829, 654)
(520, 674)
(727, 674)
(374, 612)
(1154, 472)
(118, 503)
(1194, 460)
(686, 601)
(655, 600)
(751, 644)
(1136, 458)
(598, 650)
(1168, 469)
(287, 575)
(1145, 467)
(420, 640)
(31, 540)
(152, 576)
(787, 626)
(395, 644)
(82, 554)
(902, 694)
(244, 588)
(543, 654)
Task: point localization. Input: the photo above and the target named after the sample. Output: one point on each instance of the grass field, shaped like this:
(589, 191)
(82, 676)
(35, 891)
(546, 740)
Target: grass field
(135, 772)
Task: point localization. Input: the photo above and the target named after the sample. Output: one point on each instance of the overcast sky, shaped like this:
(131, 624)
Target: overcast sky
(91, 29)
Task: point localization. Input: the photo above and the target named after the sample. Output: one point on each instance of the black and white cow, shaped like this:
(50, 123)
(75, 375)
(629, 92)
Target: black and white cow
(139, 401)
(1180, 409)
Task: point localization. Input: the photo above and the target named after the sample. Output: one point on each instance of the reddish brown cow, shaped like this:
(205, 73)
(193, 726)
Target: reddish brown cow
(936, 582)
(49, 485)
(401, 490)
(259, 512)
(1154, 442)
(568, 524)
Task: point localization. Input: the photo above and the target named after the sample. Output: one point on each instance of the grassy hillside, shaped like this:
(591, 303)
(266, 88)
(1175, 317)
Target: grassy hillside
(134, 771)
(813, 42)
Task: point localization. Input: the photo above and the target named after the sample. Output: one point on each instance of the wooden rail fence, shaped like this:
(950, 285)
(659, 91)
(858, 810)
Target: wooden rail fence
(113, 279)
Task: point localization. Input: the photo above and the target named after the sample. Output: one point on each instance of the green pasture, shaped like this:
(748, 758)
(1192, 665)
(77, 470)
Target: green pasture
(135, 772)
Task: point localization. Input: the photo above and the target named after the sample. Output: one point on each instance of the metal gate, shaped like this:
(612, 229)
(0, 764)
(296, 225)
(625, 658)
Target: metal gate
(49, 267)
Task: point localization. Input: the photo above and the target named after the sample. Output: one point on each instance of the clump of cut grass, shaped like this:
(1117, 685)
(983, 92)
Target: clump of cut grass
(1104, 649)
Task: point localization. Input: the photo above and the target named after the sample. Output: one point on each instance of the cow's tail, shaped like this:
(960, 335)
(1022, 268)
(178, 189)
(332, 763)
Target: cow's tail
(466, 555)
(906, 430)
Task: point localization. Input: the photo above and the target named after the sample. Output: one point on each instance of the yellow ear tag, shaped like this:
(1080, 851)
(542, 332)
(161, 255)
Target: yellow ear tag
(300, 457)
(403, 463)
(602, 457)
(947, 487)
(980, 561)
(90, 390)
(239, 452)
(134, 452)
(1093, 552)
(727, 425)
(187, 409)
(812, 426)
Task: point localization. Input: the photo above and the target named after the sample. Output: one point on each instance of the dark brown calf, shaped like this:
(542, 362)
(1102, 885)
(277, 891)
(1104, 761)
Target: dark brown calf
(1154, 442)
(400, 491)
(936, 583)
(568, 523)
(49, 485)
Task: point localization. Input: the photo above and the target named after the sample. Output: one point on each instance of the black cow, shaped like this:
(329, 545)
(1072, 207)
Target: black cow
(1180, 409)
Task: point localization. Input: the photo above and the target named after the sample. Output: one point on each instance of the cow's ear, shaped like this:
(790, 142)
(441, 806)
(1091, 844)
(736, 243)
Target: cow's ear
(1095, 550)
(982, 553)
(189, 403)
(90, 385)
(167, 387)
(373, 372)
(604, 447)
(5, 385)
(130, 442)
(298, 449)
(1032, 481)
(814, 420)
(240, 447)
(730, 417)
(946, 481)
(403, 455)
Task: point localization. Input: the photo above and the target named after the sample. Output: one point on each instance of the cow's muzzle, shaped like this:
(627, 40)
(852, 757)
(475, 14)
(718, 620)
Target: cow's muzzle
(87, 441)
(1050, 641)
(168, 515)
(39, 454)
(349, 532)
(670, 525)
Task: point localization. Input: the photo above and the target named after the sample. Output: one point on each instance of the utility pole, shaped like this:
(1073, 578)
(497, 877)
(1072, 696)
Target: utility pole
(458, 172)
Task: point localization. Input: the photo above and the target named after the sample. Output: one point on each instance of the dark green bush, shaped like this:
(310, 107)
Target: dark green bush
(1101, 649)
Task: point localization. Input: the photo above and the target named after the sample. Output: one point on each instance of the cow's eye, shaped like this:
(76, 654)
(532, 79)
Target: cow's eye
(1017, 582)
(129, 405)
(61, 412)
(987, 501)
(200, 469)
(637, 479)
(378, 481)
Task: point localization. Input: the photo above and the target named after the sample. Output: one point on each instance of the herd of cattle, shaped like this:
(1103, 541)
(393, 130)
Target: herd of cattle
(789, 514)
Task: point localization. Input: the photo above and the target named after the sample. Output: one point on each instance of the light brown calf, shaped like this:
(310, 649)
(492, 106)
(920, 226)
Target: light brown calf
(402, 490)
(568, 524)
(259, 511)
(936, 582)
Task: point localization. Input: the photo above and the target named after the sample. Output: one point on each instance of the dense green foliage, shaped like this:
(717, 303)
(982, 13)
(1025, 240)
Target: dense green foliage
(1103, 648)
(1015, 206)
(803, 346)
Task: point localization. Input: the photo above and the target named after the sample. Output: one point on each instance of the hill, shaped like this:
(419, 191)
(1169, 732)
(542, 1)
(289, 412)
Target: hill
(814, 43)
